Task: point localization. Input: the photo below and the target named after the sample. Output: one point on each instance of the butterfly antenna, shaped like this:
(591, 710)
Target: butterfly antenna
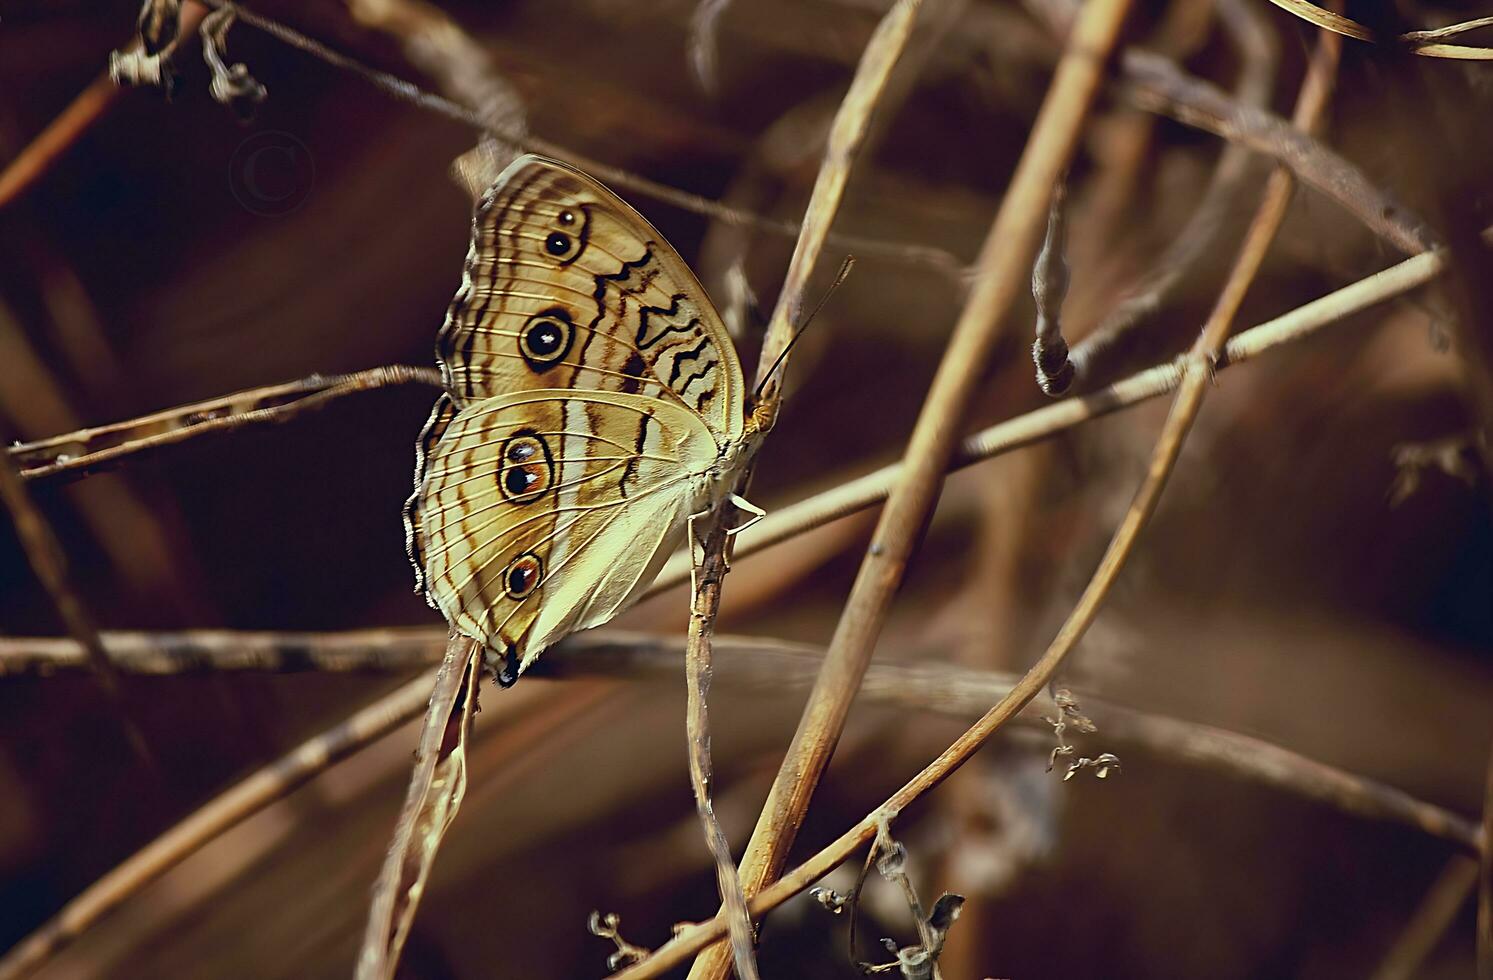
(840, 278)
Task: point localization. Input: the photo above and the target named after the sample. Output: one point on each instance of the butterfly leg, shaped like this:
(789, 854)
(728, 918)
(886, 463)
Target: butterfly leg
(746, 507)
(696, 557)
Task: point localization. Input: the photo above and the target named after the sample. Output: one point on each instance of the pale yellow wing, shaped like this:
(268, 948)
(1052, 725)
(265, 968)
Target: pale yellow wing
(546, 511)
(566, 286)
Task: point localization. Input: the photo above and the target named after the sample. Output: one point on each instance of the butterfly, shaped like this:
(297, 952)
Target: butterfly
(593, 405)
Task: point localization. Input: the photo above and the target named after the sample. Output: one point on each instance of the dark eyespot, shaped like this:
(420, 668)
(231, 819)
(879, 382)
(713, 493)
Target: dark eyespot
(520, 480)
(523, 575)
(557, 244)
(567, 217)
(528, 470)
(545, 340)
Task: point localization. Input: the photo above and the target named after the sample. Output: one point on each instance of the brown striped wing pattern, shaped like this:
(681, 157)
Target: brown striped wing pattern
(593, 402)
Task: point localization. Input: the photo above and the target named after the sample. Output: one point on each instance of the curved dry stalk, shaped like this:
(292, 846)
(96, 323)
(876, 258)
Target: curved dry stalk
(1158, 85)
(1425, 43)
(1250, 35)
(749, 666)
(1004, 259)
(74, 455)
(202, 651)
(847, 136)
(225, 811)
(872, 488)
(437, 785)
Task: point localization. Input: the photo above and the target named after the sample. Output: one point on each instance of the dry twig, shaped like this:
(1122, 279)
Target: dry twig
(751, 665)
(846, 138)
(437, 785)
(748, 664)
(74, 455)
(936, 259)
(1248, 31)
(68, 126)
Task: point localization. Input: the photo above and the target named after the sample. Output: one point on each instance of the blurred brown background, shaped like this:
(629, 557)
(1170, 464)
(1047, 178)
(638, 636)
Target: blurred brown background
(1278, 592)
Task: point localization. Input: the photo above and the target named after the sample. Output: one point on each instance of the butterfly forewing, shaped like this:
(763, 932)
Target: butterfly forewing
(566, 286)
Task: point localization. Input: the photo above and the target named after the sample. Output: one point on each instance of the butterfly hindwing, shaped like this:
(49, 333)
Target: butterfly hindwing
(544, 511)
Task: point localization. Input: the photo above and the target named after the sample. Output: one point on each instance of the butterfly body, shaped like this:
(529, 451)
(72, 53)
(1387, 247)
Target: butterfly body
(593, 404)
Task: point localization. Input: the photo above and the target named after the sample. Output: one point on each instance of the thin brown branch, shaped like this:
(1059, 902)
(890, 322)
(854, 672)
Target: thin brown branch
(698, 660)
(1437, 911)
(203, 651)
(1158, 85)
(871, 489)
(1425, 43)
(433, 41)
(751, 666)
(1004, 259)
(847, 137)
(74, 455)
(240, 802)
(437, 785)
(1252, 37)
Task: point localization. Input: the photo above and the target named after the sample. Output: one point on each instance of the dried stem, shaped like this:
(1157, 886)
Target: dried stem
(871, 489)
(1003, 263)
(847, 136)
(1043, 423)
(74, 455)
(756, 666)
(1158, 85)
(68, 126)
(435, 791)
(1251, 35)
(749, 664)
(698, 654)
